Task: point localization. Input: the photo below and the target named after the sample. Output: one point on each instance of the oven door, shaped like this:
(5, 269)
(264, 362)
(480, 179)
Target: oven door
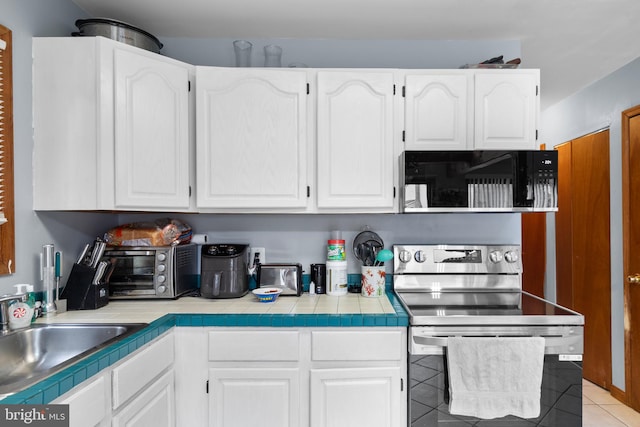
(134, 273)
(561, 391)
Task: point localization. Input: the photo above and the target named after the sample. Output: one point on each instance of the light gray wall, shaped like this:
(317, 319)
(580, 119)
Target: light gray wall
(325, 53)
(599, 106)
(287, 238)
(303, 238)
(26, 19)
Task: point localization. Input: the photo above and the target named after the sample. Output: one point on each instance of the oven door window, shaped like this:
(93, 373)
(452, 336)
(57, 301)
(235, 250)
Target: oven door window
(133, 272)
(560, 405)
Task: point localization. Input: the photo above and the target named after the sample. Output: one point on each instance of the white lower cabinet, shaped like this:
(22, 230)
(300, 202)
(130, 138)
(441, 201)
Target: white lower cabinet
(138, 391)
(89, 403)
(291, 377)
(349, 397)
(261, 396)
(154, 407)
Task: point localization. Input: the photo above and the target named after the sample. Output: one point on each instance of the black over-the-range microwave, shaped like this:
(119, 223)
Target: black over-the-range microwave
(479, 181)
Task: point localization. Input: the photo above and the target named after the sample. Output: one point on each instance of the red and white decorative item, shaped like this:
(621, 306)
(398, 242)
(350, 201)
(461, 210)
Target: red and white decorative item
(373, 281)
(21, 313)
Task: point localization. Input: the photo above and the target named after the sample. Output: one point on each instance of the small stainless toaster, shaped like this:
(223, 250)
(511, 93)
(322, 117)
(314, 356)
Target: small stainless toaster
(288, 277)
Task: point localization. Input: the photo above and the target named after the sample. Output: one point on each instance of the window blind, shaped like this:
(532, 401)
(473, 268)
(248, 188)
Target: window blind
(3, 54)
(7, 226)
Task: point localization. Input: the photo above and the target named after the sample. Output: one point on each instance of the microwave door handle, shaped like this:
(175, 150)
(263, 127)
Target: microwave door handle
(503, 193)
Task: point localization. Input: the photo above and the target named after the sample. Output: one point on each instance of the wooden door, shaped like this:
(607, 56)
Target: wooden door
(583, 256)
(564, 270)
(631, 247)
(534, 259)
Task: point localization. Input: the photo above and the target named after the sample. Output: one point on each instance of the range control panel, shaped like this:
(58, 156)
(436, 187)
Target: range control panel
(457, 259)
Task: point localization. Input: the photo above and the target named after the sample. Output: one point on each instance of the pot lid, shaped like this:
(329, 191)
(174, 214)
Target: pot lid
(92, 21)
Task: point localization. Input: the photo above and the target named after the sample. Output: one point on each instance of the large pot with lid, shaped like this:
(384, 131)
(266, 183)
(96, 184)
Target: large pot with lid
(117, 30)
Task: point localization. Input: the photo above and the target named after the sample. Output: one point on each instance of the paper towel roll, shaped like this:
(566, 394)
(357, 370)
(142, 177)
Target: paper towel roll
(199, 239)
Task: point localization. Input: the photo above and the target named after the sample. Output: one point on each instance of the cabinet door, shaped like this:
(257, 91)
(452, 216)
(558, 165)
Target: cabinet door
(137, 371)
(251, 138)
(506, 110)
(438, 112)
(151, 132)
(88, 403)
(355, 140)
(356, 397)
(155, 406)
(265, 397)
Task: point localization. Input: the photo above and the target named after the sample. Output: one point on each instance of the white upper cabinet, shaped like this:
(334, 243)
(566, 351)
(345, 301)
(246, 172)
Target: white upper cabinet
(111, 127)
(471, 109)
(151, 132)
(506, 109)
(252, 139)
(438, 111)
(355, 145)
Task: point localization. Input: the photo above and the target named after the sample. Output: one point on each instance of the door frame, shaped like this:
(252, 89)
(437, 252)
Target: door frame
(627, 115)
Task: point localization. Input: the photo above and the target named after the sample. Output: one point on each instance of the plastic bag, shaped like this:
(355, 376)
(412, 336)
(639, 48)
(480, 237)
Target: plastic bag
(161, 232)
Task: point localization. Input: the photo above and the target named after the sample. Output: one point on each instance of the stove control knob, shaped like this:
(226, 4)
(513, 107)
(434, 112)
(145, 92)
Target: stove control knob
(162, 289)
(420, 256)
(511, 256)
(405, 256)
(495, 256)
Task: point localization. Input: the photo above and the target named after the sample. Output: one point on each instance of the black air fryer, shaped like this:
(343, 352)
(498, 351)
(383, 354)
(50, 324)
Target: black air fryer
(224, 270)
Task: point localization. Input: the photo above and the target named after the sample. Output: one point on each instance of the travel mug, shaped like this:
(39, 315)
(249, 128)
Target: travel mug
(319, 277)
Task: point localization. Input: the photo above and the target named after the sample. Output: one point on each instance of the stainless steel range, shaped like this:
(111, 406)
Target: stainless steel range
(476, 291)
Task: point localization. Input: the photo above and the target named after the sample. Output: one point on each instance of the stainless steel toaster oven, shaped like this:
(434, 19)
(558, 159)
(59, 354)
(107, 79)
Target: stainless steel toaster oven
(162, 272)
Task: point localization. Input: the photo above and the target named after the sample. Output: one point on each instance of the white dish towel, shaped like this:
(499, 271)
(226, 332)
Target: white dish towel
(492, 377)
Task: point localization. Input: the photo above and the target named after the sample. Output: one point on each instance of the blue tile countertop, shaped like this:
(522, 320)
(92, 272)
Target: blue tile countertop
(351, 310)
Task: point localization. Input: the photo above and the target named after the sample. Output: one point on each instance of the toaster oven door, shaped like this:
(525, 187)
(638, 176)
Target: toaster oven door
(133, 273)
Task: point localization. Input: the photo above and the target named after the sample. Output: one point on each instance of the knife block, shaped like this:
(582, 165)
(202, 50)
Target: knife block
(80, 293)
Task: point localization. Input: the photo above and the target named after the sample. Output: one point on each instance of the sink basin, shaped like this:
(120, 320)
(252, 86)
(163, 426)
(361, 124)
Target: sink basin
(29, 355)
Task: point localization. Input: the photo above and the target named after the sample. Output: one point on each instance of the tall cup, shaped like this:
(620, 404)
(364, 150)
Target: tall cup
(242, 49)
(319, 277)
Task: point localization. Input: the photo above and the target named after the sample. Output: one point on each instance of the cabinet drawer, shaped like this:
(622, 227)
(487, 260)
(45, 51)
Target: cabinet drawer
(357, 345)
(87, 406)
(254, 345)
(155, 406)
(134, 374)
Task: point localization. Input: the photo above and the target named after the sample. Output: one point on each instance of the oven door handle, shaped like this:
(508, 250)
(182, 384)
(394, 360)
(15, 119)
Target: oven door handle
(570, 344)
(435, 341)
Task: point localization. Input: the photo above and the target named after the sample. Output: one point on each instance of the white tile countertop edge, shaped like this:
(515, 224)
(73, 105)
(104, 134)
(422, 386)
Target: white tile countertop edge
(149, 310)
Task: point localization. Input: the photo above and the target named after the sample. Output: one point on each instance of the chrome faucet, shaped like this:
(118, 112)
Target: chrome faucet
(4, 310)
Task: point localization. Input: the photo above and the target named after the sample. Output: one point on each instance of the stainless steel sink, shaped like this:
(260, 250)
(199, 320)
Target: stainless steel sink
(29, 355)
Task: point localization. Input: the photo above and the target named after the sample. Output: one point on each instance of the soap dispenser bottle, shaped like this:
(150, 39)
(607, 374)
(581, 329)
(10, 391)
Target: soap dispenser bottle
(21, 313)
